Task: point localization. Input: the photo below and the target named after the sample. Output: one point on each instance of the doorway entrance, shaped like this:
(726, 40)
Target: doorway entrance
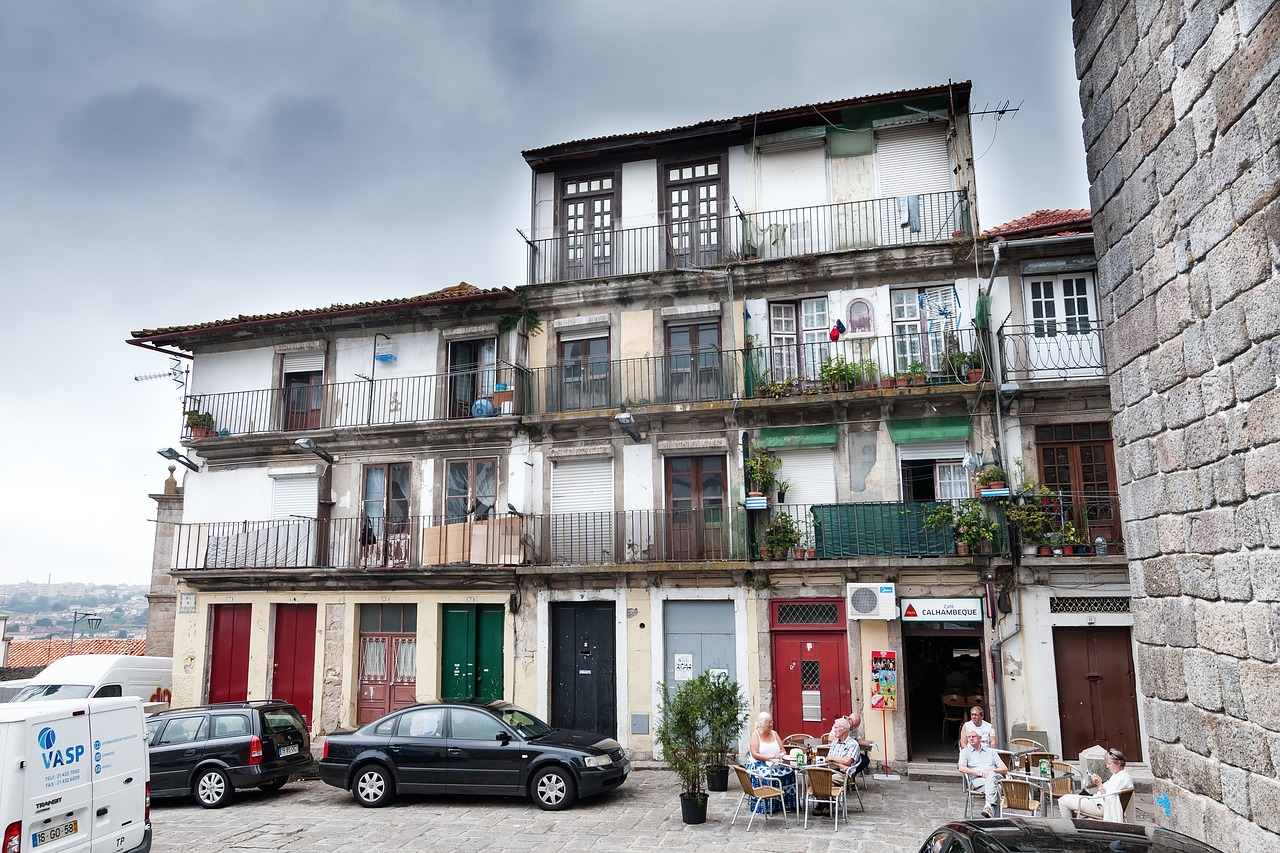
(584, 692)
(1097, 691)
(941, 658)
(810, 647)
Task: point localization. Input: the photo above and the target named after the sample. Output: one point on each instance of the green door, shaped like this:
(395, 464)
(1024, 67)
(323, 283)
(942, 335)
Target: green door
(471, 654)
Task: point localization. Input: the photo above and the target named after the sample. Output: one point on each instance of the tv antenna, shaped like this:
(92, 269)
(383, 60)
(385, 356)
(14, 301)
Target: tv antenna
(175, 372)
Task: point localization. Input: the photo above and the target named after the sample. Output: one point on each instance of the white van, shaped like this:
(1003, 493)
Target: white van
(84, 676)
(11, 688)
(74, 776)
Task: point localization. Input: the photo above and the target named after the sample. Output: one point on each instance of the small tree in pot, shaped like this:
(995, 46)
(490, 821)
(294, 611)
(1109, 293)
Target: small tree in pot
(726, 715)
(680, 734)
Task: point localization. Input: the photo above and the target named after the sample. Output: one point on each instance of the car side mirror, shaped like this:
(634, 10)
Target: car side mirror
(505, 737)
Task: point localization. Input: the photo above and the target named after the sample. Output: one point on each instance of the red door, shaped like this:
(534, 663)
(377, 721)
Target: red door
(229, 653)
(293, 678)
(810, 666)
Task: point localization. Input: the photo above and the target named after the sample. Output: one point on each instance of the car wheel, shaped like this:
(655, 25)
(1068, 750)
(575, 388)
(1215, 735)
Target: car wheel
(554, 789)
(274, 784)
(372, 786)
(212, 788)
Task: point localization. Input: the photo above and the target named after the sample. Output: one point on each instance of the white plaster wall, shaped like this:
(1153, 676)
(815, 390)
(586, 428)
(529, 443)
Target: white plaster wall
(240, 370)
(638, 472)
(242, 494)
(417, 353)
(639, 194)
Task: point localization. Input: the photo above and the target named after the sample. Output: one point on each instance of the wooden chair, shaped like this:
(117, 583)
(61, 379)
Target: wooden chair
(1019, 795)
(1124, 796)
(821, 751)
(1033, 759)
(976, 699)
(760, 792)
(1006, 756)
(954, 710)
(801, 740)
(822, 789)
(1067, 784)
(1026, 743)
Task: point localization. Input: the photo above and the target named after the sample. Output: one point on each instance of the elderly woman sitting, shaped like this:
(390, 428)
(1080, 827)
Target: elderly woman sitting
(1106, 803)
(765, 743)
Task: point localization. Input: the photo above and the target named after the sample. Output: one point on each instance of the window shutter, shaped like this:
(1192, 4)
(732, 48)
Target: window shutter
(933, 450)
(913, 159)
(793, 176)
(812, 474)
(582, 510)
(304, 361)
(291, 496)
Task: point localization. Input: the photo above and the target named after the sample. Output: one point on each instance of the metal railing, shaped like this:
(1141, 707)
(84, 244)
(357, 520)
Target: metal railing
(460, 394)
(1053, 349)
(676, 536)
(1090, 514)
(708, 241)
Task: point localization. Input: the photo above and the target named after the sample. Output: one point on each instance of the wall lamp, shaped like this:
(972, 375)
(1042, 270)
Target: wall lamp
(309, 445)
(174, 456)
(627, 423)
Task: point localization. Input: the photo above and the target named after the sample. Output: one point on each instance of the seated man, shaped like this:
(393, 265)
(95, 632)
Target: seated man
(845, 753)
(983, 768)
(1099, 804)
(864, 759)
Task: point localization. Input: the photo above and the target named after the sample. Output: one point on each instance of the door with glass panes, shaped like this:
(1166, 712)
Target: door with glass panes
(386, 539)
(388, 675)
(698, 529)
(1063, 332)
(799, 339)
(693, 363)
(1077, 464)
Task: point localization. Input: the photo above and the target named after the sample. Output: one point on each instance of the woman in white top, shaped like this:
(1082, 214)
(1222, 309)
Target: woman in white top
(1099, 804)
(765, 743)
(975, 723)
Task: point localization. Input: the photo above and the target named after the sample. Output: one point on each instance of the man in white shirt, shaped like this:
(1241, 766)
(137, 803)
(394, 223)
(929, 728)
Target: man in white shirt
(844, 753)
(975, 723)
(982, 768)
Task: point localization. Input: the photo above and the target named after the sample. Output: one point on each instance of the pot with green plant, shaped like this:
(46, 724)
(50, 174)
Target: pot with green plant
(782, 535)
(726, 717)
(1028, 519)
(991, 477)
(868, 373)
(915, 372)
(966, 519)
(680, 734)
(1064, 540)
(835, 374)
(762, 468)
(200, 423)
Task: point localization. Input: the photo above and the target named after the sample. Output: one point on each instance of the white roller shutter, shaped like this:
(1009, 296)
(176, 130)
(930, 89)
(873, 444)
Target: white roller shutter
(933, 450)
(294, 496)
(912, 160)
(304, 361)
(793, 176)
(811, 471)
(582, 511)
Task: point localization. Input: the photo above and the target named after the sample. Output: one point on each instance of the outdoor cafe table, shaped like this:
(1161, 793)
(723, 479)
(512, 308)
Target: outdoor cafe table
(773, 773)
(1044, 783)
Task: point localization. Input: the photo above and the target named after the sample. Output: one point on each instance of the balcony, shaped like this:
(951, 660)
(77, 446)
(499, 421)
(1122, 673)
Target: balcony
(1053, 350)
(711, 241)
(680, 537)
(1091, 514)
(458, 395)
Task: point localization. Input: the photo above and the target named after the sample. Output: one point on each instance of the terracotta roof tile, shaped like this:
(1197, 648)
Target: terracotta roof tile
(44, 652)
(457, 291)
(1045, 223)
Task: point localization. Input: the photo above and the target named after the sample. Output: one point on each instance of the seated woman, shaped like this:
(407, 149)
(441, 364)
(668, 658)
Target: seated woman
(1099, 805)
(765, 743)
(975, 723)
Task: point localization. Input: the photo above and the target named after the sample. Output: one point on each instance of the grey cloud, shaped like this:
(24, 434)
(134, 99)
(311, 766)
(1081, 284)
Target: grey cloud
(146, 131)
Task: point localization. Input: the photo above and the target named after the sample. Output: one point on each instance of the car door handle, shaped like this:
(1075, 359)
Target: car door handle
(102, 811)
(456, 752)
(189, 752)
(395, 747)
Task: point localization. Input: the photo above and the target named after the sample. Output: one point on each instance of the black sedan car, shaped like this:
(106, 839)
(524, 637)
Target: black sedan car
(1018, 834)
(461, 748)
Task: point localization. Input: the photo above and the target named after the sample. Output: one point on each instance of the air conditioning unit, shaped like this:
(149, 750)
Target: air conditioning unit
(872, 601)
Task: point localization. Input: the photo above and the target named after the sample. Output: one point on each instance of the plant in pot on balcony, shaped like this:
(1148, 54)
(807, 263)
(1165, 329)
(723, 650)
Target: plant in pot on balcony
(991, 477)
(200, 423)
(836, 374)
(782, 535)
(967, 521)
(681, 735)
(1028, 519)
(915, 372)
(973, 370)
(1064, 540)
(762, 468)
(726, 717)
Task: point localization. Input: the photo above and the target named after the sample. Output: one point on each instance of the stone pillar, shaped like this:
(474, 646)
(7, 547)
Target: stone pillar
(1180, 103)
(162, 598)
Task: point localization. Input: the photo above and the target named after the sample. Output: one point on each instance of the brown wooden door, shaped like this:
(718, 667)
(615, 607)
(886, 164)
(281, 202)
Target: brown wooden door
(1097, 692)
(229, 652)
(1076, 460)
(294, 665)
(695, 497)
(303, 398)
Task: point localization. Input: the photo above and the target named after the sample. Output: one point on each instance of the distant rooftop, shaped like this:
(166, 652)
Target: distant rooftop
(1044, 223)
(44, 652)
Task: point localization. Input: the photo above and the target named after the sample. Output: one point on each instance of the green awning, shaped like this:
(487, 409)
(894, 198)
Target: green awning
(823, 435)
(912, 430)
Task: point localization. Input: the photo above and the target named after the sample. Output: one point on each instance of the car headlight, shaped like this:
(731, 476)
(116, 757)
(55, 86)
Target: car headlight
(597, 761)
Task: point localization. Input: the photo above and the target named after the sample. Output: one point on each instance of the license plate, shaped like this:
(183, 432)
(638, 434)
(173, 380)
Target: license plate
(53, 833)
(288, 750)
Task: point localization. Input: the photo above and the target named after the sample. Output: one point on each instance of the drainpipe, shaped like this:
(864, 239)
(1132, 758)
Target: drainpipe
(998, 672)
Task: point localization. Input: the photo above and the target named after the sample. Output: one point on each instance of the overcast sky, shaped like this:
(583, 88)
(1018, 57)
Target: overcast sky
(164, 163)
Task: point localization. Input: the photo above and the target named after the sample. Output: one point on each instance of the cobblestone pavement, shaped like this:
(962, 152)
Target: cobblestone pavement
(644, 814)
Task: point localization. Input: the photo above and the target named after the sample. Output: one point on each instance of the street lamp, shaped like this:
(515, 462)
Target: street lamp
(309, 445)
(93, 620)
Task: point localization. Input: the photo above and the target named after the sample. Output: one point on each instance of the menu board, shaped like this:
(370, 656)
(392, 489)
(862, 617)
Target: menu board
(884, 681)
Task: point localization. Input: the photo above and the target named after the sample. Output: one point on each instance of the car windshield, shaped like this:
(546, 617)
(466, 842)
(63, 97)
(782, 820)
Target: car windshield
(526, 725)
(36, 692)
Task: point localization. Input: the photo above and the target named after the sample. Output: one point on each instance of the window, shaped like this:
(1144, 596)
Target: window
(472, 373)
(183, 730)
(861, 320)
(799, 334)
(693, 212)
(108, 690)
(386, 501)
(473, 725)
(302, 383)
(1060, 304)
(923, 319)
(471, 489)
(585, 370)
(693, 362)
(587, 212)
(1076, 462)
(422, 722)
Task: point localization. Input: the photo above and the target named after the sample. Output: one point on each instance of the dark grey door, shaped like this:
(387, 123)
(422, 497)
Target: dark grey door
(479, 761)
(420, 749)
(584, 694)
(699, 637)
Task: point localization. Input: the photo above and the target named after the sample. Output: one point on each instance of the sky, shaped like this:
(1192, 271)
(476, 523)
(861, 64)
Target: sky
(167, 163)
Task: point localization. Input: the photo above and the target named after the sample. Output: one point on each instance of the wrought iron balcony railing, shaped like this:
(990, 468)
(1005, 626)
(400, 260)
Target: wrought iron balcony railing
(719, 534)
(1053, 349)
(460, 394)
(709, 241)
(1088, 515)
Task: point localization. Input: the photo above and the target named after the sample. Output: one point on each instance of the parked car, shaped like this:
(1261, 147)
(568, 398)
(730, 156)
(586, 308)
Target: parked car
(1000, 835)
(209, 751)
(465, 748)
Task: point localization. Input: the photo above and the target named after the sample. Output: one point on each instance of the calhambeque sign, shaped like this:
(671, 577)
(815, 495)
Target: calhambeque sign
(941, 609)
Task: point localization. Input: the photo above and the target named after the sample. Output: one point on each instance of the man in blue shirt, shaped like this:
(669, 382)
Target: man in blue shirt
(982, 768)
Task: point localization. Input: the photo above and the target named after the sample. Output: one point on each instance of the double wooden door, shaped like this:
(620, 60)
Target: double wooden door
(1097, 691)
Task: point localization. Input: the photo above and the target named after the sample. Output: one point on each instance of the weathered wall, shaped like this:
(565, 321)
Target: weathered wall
(1180, 104)
(162, 597)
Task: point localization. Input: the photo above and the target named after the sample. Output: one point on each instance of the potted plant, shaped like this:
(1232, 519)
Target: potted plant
(973, 366)
(902, 379)
(1028, 519)
(834, 374)
(681, 717)
(868, 373)
(200, 423)
(915, 372)
(762, 468)
(991, 477)
(1063, 541)
(726, 715)
(782, 486)
(782, 535)
(967, 521)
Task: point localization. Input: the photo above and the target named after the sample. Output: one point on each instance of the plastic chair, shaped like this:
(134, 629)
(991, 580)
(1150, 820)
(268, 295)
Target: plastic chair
(1019, 795)
(1124, 796)
(760, 792)
(823, 790)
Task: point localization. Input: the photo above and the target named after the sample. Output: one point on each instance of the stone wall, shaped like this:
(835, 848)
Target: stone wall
(162, 597)
(1181, 120)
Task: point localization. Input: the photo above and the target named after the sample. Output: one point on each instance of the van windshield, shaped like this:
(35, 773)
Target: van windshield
(36, 692)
